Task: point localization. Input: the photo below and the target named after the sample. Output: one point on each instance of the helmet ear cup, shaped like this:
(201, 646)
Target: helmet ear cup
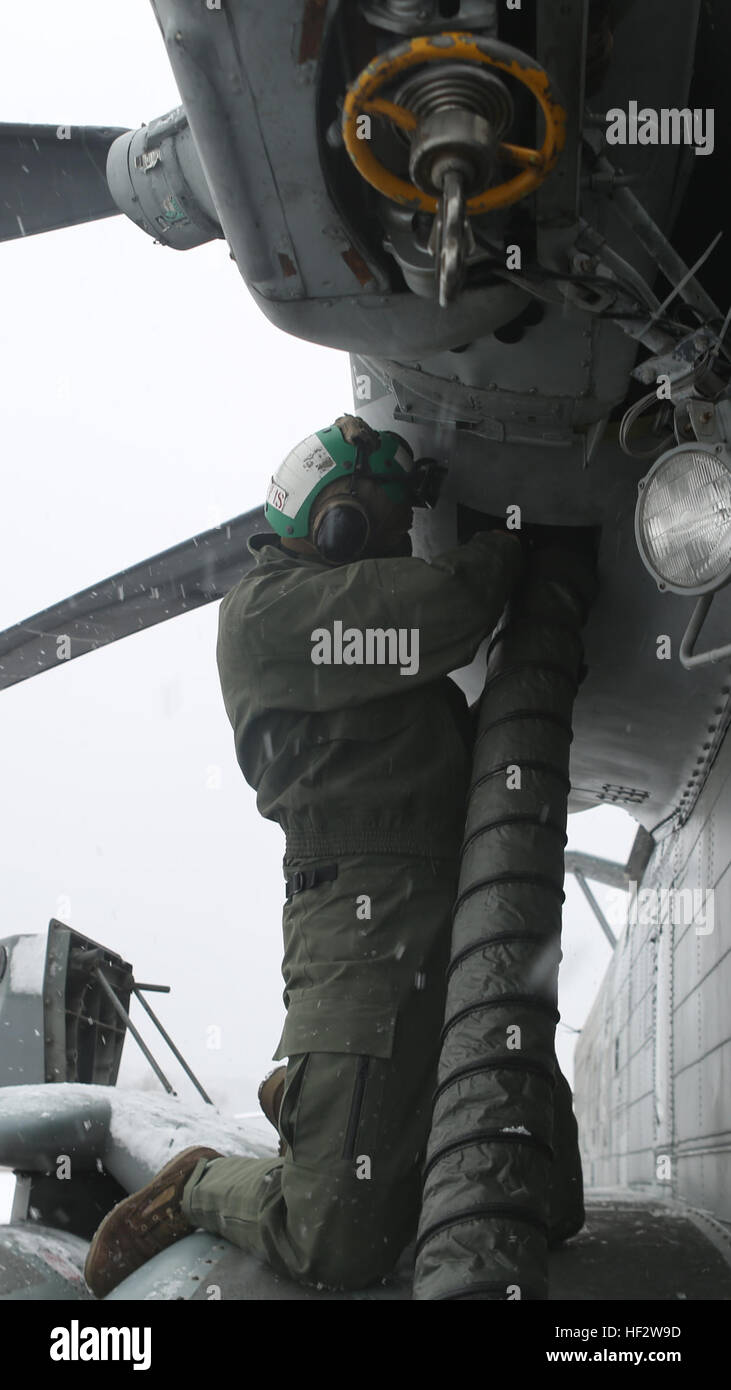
(342, 529)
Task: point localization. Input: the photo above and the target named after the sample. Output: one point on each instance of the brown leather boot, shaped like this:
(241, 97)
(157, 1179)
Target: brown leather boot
(142, 1225)
(270, 1099)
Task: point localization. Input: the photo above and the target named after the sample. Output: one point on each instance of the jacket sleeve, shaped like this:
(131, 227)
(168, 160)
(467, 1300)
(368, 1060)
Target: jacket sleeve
(440, 611)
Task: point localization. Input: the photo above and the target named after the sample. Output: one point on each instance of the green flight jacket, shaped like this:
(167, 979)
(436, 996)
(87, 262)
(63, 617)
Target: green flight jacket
(359, 759)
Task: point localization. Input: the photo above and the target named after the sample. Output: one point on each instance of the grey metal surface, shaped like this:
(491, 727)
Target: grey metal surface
(39, 1264)
(155, 177)
(39, 1123)
(561, 32)
(653, 1065)
(675, 1255)
(54, 1024)
(83, 1038)
(205, 1268)
(404, 16)
(634, 1250)
(22, 1060)
(402, 324)
(654, 60)
(132, 1132)
(533, 397)
(260, 154)
(298, 241)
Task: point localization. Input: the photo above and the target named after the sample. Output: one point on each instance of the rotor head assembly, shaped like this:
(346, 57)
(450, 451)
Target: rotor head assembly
(447, 97)
(463, 114)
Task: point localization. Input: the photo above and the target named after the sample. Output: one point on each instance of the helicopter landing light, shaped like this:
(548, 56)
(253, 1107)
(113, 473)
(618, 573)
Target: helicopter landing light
(683, 519)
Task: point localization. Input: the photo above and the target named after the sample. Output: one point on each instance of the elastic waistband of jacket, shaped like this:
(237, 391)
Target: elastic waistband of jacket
(333, 846)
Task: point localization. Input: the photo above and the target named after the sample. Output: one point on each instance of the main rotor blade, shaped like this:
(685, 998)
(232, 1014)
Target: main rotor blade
(195, 572)
(53, 176)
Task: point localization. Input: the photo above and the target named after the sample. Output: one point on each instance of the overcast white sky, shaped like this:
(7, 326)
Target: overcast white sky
(144, 399)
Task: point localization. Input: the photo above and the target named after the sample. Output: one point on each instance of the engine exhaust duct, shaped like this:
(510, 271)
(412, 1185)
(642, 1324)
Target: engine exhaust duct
(487, 1210)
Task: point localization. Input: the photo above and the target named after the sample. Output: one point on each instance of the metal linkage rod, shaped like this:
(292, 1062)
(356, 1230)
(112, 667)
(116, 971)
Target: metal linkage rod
(601, 870)
(663, 253)
(596, 909)
(171, 1045)
(120, 1009)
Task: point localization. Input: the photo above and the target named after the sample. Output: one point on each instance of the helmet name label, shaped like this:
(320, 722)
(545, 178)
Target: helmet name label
(276, 496)
(297, 478)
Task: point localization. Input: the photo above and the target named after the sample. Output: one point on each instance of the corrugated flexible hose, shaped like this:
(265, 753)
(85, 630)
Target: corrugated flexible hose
(483, 1232)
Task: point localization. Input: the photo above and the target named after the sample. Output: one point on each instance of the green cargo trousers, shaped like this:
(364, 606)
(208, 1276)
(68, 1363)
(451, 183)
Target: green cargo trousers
(365, 964)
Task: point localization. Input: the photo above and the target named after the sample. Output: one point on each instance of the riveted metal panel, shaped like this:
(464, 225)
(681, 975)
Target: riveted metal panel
(673, 975)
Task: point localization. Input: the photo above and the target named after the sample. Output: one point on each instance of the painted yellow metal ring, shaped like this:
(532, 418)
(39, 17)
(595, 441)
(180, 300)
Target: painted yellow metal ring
(362, 99)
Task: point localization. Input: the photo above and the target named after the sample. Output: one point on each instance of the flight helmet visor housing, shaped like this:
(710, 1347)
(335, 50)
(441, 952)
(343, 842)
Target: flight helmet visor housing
(325, 457)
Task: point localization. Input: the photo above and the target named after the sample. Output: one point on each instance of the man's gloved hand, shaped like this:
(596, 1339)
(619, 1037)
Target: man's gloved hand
(356, 431)
(581, 541)
(572, 571)
(516, 534)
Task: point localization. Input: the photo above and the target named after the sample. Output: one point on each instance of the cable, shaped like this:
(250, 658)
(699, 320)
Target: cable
(628, 420)
(718, 345)
(576, 277)
(639, 407)
(614, 285)
(676, 289)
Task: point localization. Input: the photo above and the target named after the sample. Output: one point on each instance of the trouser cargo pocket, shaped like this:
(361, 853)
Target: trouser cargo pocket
(339, 1053)
(331, 1110)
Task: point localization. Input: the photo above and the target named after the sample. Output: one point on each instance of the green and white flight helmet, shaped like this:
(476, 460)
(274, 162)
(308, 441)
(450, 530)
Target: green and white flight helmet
(322, 458)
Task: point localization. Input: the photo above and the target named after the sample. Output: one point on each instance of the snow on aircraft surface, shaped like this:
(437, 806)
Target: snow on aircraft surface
(508, 215)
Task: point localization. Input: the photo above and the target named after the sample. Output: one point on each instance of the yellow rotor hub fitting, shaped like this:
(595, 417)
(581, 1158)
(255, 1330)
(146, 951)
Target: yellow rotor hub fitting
(362, 99)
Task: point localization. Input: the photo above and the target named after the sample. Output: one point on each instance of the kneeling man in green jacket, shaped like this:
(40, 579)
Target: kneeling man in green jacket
(334, 655)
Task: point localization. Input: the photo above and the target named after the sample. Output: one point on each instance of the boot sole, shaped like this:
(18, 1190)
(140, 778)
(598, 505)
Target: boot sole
(159, 1191)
